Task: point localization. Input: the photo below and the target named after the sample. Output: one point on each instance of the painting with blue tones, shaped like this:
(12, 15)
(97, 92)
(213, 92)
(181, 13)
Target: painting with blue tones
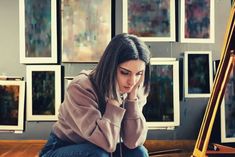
(159, 106)
(38, 28)
(198, 73)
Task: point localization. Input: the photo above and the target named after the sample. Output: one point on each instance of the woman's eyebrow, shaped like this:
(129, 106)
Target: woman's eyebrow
(129, 70)
(124, 69)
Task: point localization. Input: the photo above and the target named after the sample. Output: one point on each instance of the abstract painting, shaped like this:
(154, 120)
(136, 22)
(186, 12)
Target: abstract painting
(12, 96)
(150, 20)
(43, 92)
(162, 107)
(86, 29)
(38, 31)
(197, 21)
(198, 74)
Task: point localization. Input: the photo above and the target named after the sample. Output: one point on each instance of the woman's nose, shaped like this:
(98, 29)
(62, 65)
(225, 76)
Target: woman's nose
(131, 80)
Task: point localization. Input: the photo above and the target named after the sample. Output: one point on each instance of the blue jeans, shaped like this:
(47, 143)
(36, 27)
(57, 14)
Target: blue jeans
(55, 147)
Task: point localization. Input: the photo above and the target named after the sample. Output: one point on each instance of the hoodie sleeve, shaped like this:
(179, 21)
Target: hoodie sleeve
(80, 109)
(134, 129)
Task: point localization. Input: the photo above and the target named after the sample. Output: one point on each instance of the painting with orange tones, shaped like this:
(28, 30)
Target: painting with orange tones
(86, 29)
(12, 105)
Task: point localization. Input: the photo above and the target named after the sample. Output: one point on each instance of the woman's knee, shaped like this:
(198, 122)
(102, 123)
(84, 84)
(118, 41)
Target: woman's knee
(140, 151)
(100, 153)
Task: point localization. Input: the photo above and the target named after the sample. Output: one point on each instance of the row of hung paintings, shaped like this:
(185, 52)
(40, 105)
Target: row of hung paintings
(163, 103)
(86, 27)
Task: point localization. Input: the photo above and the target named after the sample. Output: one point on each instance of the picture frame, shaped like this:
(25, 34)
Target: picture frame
(38, 31)
(227, 111)
(162, 109)
(198, 74)
(12, 96)
(43, 92)
(86, 32)
(150, 20)
(197, 21)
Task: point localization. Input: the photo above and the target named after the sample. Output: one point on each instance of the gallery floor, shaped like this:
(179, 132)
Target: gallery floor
(157, 148)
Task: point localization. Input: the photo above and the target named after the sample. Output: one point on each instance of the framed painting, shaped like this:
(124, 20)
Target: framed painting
(38, 31)
(12, 96)
(227, 114)
(198, 73)
(43, 92)
(150, 20)
(162, 107)
(87, 28)
(197, 24)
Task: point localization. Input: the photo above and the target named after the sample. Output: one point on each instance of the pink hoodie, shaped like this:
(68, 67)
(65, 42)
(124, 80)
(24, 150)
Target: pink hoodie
(80, 119)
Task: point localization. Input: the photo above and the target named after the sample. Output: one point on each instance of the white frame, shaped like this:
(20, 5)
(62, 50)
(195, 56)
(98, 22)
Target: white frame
(20, 126)
(176, 122)
(186, 88)
(36, 60)
(183, 39)
(172, 36)
(43, 68)
(224, 138)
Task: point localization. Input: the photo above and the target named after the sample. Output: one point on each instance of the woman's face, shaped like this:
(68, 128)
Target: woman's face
(128, 74)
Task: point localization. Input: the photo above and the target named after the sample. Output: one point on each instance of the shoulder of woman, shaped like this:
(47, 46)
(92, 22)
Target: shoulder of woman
(82, 81)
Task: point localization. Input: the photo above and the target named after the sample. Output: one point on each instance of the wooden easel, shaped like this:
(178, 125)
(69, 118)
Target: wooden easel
(225, 66)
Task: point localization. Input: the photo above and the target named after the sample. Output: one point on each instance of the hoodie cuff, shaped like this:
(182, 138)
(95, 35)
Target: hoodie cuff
(114, 114)
(132, 109)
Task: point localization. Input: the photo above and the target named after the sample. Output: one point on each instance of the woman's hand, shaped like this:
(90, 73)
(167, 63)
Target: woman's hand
(133, 94)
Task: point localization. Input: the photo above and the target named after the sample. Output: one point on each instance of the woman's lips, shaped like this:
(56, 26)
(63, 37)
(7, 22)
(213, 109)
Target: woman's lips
(127, 88)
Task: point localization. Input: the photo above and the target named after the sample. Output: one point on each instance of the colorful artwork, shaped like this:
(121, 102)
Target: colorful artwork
(151, 20)
(38, 28)
(9, 99)
(43, 91)
(11, 105)
(198, 74)
(162, 107)
(38, 33)
(86, 29)
(197, 21)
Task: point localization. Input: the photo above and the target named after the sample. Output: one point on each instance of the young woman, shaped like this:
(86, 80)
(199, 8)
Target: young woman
(102, 111)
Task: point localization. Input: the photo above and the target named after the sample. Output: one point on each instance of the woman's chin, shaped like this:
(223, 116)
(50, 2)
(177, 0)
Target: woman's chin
(125, 91)
(122, 92)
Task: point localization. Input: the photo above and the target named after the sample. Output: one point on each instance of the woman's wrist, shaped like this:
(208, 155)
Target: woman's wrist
(132, 100)
(132, 97)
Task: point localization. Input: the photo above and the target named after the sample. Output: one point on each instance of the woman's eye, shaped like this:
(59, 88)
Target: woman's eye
(124, 73)
(139, 74)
